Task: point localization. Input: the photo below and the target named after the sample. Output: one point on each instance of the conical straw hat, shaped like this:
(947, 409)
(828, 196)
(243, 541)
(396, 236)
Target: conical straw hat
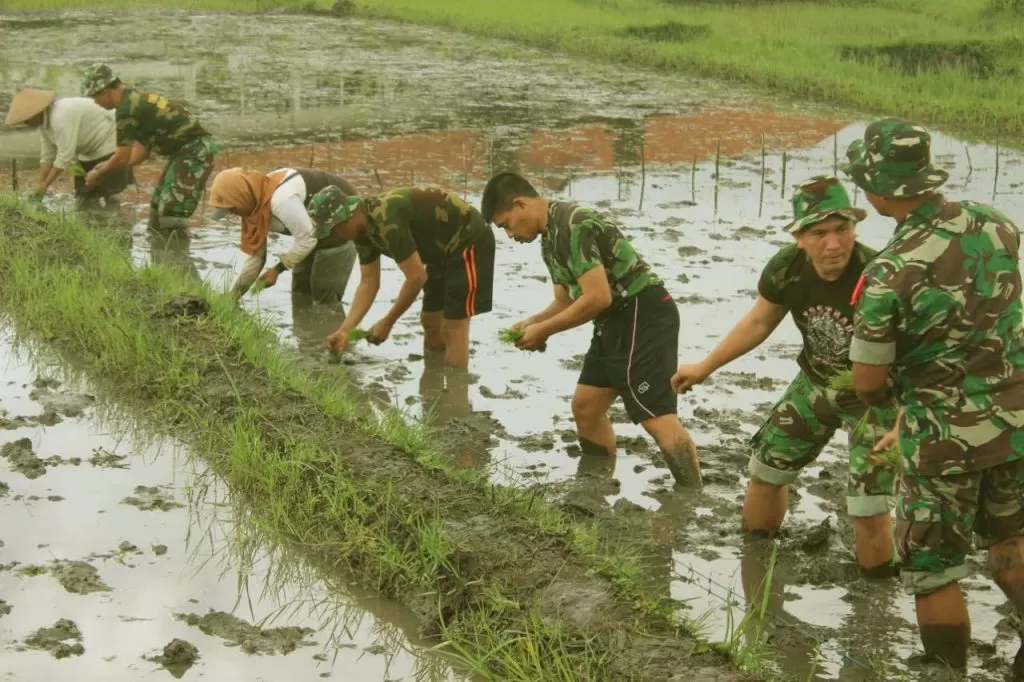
(27, 103)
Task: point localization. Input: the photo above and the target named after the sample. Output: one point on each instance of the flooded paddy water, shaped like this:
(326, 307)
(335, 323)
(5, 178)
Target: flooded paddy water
(388, 105)
(120, 559)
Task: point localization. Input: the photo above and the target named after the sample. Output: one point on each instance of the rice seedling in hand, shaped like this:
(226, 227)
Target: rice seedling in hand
(841, 381)
(77, 170)
(509, 335)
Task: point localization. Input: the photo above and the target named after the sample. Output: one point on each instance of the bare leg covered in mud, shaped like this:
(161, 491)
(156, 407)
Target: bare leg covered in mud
(1006, 563)
(677, 447)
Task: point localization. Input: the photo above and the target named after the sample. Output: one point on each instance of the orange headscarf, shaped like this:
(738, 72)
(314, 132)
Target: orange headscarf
(248, 192)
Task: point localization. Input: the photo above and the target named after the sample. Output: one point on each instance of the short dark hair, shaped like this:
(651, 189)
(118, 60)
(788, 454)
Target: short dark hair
(501, 191)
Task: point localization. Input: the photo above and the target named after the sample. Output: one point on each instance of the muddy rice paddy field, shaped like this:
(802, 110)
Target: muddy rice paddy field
(123, 547)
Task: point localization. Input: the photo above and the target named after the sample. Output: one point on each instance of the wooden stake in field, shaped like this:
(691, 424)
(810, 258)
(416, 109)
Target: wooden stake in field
(718, 162)
(14, 175)
(785, 160)
(835, 154)
(377, 175)
(970, 165)
(643, 175)
(995, 180)
(760, 201)
(693, 181)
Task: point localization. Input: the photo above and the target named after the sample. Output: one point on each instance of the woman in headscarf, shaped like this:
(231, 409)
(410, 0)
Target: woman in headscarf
(321, 263)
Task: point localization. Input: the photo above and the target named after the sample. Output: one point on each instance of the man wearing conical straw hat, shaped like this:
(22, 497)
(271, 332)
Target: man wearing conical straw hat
(813, 279)
(76, 135)
(148, 122)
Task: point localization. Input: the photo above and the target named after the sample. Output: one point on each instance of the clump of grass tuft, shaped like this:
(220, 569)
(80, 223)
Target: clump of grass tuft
(77, 170)
(357, 335)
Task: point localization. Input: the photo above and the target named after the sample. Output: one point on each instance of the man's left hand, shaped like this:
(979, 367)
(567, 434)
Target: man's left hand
(380, 332)
(534, 338)
(269, 277)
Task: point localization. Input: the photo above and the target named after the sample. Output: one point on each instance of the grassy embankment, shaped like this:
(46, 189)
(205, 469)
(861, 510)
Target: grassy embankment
(371, 496)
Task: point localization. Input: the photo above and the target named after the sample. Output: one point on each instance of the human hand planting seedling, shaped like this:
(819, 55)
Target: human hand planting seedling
(533, 338)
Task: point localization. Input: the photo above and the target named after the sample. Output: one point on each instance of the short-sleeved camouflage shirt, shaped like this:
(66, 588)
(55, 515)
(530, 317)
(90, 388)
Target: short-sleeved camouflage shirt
(821, 310)
(941, 303)
(431, 221)
(578, 239)
(156, 122)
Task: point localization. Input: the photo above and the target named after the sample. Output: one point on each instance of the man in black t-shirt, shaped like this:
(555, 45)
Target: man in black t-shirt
(814, 280)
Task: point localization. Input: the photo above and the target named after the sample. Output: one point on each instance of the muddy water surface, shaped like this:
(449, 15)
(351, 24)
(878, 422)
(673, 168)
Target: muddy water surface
(118, 562)
(397, 105)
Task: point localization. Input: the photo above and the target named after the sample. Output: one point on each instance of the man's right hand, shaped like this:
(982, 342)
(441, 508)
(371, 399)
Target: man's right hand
(521, 325)
(338, 341)
(688, 376)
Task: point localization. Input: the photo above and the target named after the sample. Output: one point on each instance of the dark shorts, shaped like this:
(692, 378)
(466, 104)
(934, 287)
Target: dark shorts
(109, 185)
(463, 284)
(635, 350)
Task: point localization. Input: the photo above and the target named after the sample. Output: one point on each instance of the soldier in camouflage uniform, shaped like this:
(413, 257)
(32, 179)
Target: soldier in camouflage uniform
(813, 280)
(440, 243)
(598, 276)
(149, 122)
(940, 313)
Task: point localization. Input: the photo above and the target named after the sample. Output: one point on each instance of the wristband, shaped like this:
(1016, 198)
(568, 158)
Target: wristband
(280, 267)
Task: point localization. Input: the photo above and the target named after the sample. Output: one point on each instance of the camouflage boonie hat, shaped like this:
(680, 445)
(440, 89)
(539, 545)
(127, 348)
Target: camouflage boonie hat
(818, 198)
(96, 78)
(331, 206)
(894, 160)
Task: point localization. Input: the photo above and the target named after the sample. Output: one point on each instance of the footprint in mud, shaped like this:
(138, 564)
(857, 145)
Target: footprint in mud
(149, 498)
(177, 657)
(251, 639)
(22, 458)
(55, 639)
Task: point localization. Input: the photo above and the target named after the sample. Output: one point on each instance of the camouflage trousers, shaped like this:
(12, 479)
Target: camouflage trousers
(800, 426)
(183, 180)
(937, 517)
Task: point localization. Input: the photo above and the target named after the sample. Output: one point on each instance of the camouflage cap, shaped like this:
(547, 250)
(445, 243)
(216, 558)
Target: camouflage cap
(96, 78)
(894, 160)
(331, 206)
(818, 198)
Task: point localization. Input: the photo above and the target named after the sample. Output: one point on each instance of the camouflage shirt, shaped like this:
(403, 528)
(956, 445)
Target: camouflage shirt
(821, 309)
(156, 122)
(942, 304)
(406, 220)
(578, 239)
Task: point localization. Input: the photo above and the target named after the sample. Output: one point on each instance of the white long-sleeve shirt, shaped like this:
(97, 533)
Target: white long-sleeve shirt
(76, 129)
(288, 215)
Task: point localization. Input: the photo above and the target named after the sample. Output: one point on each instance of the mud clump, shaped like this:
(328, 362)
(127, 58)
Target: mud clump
(150, 498)
(159, 550)
(107, 460)
(78, 577)
(5, 608)
(249, 638)
(4, 489)
(177, 657)
(55, 639)
(184, 306)
(22, 458)
(59, 403)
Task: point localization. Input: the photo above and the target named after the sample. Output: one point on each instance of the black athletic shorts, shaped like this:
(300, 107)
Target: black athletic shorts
(635, 350)
(463, 284)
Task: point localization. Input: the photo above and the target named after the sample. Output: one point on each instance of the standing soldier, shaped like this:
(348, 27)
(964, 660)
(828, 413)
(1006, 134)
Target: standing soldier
(440, 243)
(814, 281)
(940, 313)
(149, 122)
(599, 276)
(277, 201)
(72, 130)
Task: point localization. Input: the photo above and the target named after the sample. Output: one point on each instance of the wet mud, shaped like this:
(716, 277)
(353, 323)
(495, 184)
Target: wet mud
(249, 638)
(98, 582)
(643, 148)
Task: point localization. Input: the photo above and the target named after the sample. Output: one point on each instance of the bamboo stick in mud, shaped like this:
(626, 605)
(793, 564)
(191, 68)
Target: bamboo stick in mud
(995, 179)
(14, 175)
(785, 161)
(643, 175)
(693, 180)
(377, 175)
(718, 161)
(835, 154)
(760, 201)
